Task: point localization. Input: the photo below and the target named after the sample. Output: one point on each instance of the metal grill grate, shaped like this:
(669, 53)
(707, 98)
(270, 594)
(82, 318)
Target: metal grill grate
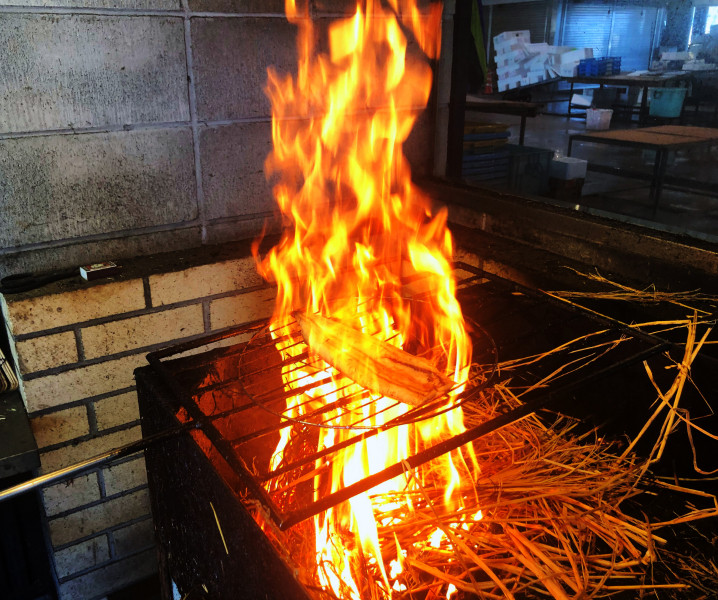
(235, 394)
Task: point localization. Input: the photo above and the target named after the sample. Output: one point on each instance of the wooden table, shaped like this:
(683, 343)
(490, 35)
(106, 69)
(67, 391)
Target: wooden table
(667, 79)
(504, 107)
(662, 140)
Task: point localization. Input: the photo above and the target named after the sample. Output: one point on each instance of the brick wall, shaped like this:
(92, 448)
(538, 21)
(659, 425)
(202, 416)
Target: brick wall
(77, 346)
(137, 126)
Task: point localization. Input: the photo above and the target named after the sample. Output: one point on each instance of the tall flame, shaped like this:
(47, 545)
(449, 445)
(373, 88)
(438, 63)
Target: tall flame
(360, 238)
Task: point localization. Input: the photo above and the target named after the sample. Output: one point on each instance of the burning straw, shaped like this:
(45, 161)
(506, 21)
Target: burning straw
(553, 512)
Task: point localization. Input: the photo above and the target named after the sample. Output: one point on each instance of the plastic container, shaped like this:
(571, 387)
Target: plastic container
(529, 169)
(598, 118)
(666, 102)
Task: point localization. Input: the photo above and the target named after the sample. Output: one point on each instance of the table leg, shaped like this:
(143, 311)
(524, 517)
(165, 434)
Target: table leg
(570, 145)
(522, 130)
(643, 114)
(659, 170)
(570, 95)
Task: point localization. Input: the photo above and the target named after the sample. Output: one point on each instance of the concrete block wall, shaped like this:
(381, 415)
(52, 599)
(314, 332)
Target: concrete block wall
(77, 345)
(136, 126)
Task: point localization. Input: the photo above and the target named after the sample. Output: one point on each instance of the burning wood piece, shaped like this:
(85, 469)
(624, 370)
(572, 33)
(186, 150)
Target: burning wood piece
(375, 365)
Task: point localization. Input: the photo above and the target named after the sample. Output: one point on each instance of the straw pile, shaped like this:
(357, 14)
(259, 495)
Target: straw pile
(556, 511)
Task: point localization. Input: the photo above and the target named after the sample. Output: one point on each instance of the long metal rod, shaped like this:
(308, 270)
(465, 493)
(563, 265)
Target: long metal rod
(90, 463)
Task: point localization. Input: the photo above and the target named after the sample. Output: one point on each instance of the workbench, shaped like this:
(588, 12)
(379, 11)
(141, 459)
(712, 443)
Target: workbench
(662, 140)
(504, 107)
(667, 79)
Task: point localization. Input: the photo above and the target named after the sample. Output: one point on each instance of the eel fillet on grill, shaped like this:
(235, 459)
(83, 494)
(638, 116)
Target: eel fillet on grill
(374, 364)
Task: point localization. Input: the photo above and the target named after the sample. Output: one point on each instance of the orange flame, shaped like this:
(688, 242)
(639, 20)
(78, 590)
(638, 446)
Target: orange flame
(362, 241)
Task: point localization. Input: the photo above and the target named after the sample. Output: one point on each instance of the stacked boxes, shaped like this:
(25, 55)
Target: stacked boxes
(485, 157)
(520, 63)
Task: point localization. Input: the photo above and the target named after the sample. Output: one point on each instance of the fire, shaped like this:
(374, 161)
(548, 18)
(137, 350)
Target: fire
(359, 240)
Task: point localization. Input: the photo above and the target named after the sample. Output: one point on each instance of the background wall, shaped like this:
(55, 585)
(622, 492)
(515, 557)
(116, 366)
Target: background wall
(135, 126)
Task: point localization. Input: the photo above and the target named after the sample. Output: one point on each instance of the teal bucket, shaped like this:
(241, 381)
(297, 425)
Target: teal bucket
(666, 102)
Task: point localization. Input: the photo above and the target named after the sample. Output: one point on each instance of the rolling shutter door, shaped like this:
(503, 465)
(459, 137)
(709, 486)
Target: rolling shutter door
(632, 36)
(588, 25)
(611, 29)
(533, 16)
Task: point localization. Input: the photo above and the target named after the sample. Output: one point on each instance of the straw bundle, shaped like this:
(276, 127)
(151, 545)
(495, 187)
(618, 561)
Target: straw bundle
(554, 511)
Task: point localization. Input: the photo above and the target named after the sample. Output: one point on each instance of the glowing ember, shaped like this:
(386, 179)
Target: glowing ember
(359, 232)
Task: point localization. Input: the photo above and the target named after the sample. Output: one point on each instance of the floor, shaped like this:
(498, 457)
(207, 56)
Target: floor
(680, 211)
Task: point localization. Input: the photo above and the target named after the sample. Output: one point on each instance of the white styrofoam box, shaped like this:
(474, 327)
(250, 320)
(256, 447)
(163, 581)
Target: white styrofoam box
(568, 167)
(508, 47)
(566, 70)
(510, 84)
(510, 58)
(509, 72)
(572, 56)
(537, 76)
(538, 47)
(581, 100)
(523, 35)
(534, 63)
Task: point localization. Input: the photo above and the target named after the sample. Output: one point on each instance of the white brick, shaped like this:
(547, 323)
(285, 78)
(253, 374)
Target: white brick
(56, 310)
(71, 494)
(82, 523)
(111, 578)
(82, 556)
(243, 308)
(117, 410)
(47, 352)
(62, 457)
(207, 280)
(125, 476)
(77, 384)
(60, 426)
(134, 537)
(145, 330)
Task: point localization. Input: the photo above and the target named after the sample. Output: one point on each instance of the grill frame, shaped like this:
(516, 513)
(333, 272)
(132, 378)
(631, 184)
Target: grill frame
(162, 362)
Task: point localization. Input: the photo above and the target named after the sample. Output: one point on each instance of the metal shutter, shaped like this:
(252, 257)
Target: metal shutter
(632, 36)
(533, 16)
(587, 25)
(611, 29)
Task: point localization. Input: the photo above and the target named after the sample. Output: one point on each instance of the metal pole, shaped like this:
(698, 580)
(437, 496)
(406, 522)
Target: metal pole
(89, 463)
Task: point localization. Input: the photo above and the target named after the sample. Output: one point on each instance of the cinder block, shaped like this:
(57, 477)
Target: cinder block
(125, 476)
(134, 538)
(47, 351)
(84, 252)
(82, 556)
(113, 577)
(233, 169)
(62, 457)
(85, 382)
(87, 521)
(219, 232)
(117, 410)
(117, 180)
(57, 310)
(71, 494)
(238, 6)
(65, 71)
(200, 282)
(126, 4)
(231, 57)
(60, 426)
(243, 308)
(145, 330)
